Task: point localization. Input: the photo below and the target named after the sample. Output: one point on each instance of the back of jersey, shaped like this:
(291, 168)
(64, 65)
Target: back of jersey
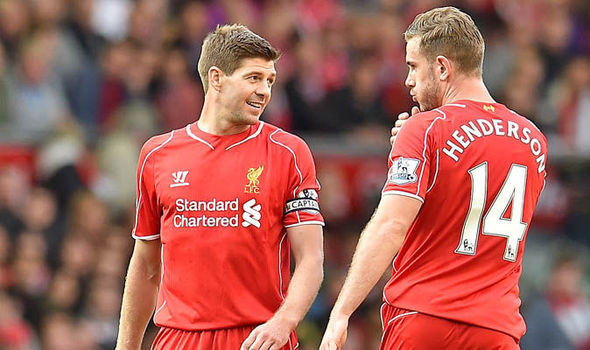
(479, 169)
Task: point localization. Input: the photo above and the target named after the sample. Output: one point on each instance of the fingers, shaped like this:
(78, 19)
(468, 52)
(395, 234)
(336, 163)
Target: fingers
(403, 116)
(415, 110)
(261, 339)
(250, 342)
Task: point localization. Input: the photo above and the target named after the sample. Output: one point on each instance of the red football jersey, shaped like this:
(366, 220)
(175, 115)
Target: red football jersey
(479, 169)
(220, 206)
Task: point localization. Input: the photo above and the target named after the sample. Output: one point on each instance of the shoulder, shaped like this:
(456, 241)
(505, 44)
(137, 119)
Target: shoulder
(156, 142)
(453, 109)
(284, 139)
(528, 123)
(423, 121)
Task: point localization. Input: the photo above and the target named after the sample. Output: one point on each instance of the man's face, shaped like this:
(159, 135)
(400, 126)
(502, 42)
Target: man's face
(424, 86)
(246, 92)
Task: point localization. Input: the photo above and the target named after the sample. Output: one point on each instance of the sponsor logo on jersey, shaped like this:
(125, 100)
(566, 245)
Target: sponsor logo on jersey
(251, 214)
(216, 213)
(403, 171)
(179, 178)
(252, 176)
(306, 200)
(489, 108)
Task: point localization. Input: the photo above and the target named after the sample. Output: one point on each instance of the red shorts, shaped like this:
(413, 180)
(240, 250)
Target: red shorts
(218, 339)
(406, 329)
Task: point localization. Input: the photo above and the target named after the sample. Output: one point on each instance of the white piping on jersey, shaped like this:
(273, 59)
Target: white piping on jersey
(306, 223)
(385, 298)
(294, 159)
(146, 238)
(190, 133)
(454, 105)
(402, 193)
(159, 309)
(402, 315)
(140, 179)
(280, 274)
(248, 138)
(435, 173)
(393, 264)
(424, 149)
(393, 319)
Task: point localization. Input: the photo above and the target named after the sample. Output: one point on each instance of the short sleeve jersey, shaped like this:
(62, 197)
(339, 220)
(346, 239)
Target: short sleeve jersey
(220, 206)
(479, 170)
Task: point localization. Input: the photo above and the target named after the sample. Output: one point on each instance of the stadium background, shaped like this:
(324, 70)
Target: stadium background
(83, 83)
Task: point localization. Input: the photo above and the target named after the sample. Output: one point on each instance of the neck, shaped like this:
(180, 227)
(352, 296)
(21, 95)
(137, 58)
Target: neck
(213, 121)
(467, 88)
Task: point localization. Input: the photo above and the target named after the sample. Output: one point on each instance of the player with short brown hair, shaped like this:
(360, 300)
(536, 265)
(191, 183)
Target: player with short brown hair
(464, 178)
(221, 205)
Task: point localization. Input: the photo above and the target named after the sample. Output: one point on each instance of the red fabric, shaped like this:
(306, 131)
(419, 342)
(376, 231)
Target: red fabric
(225, 252)
(408, 330)
(438, 271)
(222, 339)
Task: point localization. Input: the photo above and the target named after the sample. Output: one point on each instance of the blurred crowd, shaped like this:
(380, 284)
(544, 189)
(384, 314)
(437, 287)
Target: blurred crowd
(83, 83)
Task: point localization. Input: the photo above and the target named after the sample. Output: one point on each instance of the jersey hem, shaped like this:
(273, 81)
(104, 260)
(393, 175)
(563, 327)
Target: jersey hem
(458, 319)
(146, 238)
(401, 193)
(306, 223)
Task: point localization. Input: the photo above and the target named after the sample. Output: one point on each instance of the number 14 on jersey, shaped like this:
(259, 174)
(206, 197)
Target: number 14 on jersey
(494, 223)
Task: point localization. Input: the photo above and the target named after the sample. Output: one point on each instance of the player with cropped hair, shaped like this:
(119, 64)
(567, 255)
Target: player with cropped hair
(464, 178)
(221, 205)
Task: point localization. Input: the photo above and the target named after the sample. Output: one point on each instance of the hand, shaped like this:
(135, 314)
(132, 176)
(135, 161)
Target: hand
(335, 335)
(272, 335)
(402, 118)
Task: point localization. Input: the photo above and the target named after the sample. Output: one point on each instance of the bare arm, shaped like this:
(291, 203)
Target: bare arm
(307, 248)
(139, 298)
(378, 244)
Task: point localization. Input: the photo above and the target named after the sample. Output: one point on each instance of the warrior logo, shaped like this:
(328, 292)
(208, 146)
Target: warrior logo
(253, 175)
(179, 178)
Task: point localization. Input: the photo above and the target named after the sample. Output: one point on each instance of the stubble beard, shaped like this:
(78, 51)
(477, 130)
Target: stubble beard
(431, 99)
(240, 118)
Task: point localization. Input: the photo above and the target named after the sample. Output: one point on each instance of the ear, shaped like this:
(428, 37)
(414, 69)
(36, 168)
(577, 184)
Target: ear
(214, 75)
(444, 68)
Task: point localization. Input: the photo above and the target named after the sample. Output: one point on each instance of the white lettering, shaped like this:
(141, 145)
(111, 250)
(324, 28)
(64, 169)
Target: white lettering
(513, 129)
(541, 161)
(495, 126)
(527, 133)
(179, 205)
(460, 139)
(471, 130)
(486, 127)
(451, 152)
(205, 221)
(499, 127)
(536, 150)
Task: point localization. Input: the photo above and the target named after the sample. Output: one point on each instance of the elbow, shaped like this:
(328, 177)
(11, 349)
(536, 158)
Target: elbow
(394, 229)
